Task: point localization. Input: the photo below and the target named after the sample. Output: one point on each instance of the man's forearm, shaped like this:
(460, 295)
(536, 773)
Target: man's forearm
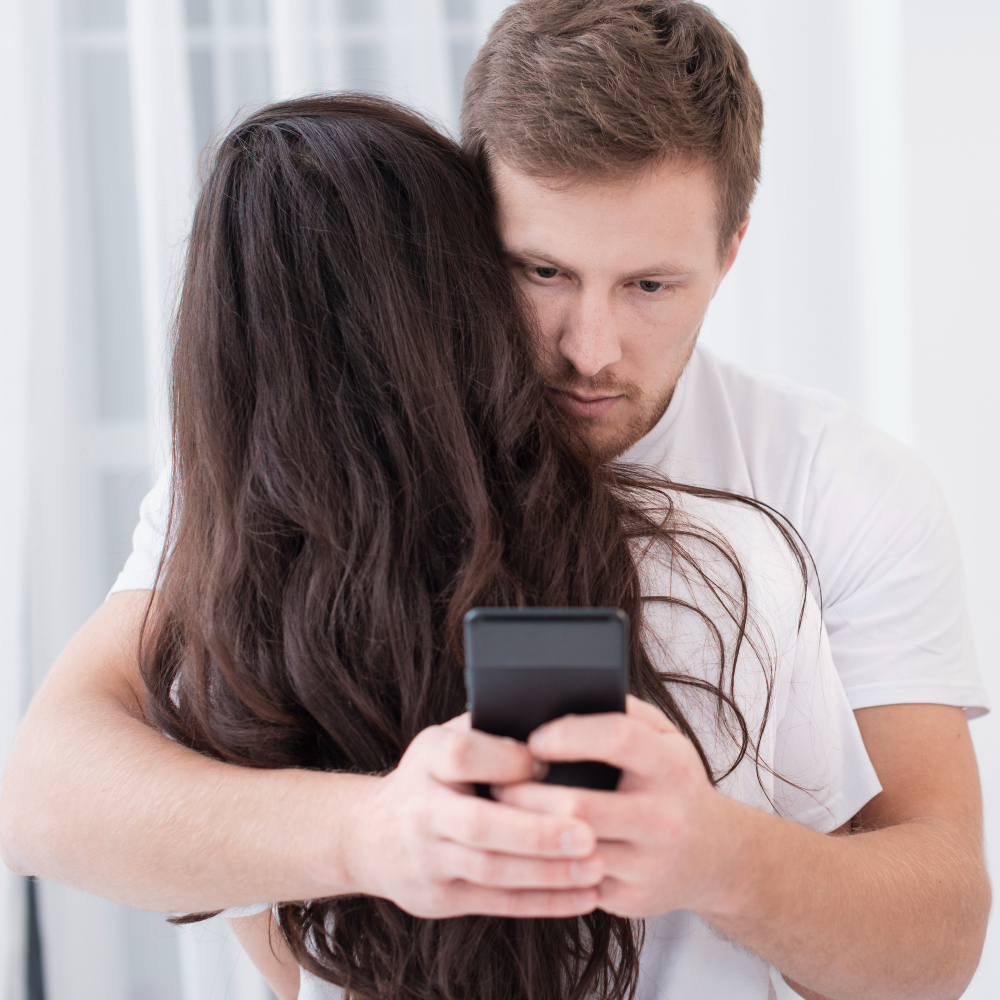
(96, 798)
(109, 805)
(896, 912)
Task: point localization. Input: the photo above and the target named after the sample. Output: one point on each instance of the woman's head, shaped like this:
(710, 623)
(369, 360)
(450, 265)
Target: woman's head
(362, 452)
(349, 349)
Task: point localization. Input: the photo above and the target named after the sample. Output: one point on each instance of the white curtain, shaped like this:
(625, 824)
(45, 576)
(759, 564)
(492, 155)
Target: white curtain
(819, 294)
(865, 271)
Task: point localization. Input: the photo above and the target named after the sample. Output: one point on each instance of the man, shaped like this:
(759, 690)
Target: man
(622, 140)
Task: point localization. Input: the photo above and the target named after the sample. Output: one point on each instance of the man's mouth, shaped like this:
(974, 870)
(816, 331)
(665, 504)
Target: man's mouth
(581, 405)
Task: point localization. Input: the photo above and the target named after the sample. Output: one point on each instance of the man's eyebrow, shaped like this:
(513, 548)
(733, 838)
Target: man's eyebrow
(674, 269)
(526, 253)
(666, 270)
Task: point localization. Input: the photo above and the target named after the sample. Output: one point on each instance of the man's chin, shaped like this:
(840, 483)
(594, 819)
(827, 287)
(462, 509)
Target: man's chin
(604, 444)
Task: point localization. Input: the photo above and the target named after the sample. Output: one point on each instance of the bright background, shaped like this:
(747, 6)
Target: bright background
(870, 270)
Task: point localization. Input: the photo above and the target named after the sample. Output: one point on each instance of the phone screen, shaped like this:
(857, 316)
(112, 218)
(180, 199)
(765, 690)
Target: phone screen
(528, 666)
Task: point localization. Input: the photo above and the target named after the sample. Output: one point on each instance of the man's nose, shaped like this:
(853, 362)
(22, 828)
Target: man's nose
(589, 338)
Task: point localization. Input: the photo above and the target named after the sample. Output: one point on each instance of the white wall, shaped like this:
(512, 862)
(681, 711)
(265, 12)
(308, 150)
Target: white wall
(953, 83)
(871, 266)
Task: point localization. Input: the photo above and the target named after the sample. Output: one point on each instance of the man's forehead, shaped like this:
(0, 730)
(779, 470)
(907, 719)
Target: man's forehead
(510, 181)
(655, 222)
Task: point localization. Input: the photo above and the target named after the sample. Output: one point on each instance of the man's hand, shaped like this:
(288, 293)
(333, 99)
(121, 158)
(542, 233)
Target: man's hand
(429, 844)
(660, 827)
(897, 909)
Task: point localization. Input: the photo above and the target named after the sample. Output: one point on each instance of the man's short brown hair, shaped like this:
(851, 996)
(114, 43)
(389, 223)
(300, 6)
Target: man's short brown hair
(598, 89)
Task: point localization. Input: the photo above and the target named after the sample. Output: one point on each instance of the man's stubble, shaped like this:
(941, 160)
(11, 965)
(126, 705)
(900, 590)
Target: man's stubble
(605, 447)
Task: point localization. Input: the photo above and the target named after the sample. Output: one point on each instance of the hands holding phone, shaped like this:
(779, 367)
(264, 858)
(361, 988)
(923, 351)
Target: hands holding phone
(436, 849)
(557, 678)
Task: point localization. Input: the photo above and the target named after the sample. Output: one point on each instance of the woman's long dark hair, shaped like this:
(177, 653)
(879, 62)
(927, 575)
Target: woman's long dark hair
(362, 452)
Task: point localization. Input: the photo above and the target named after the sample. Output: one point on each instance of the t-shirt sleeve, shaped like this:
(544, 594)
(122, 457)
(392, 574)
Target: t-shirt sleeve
(893, 584)
(148, 539)
(823, 774)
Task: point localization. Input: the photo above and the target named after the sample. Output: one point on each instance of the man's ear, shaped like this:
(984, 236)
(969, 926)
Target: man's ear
(734, 249)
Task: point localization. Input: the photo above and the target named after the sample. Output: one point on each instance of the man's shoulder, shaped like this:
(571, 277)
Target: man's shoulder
(784, 431)
(763, 402)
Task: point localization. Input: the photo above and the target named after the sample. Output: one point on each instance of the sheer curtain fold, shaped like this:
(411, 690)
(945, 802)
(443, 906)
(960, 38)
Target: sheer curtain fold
(164, 154)
(293, 40)
(16, 273)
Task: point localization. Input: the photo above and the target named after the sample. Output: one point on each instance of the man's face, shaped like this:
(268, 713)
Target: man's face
(620, 274)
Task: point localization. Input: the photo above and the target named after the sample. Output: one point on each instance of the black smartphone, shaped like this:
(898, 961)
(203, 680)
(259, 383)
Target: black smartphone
(526, 666)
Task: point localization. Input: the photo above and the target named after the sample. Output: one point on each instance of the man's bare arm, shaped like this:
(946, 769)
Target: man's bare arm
(899, 908)
(96, 798)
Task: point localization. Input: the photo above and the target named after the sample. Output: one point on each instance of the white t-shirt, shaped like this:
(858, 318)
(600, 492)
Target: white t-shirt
(873, 518)
(813, 767)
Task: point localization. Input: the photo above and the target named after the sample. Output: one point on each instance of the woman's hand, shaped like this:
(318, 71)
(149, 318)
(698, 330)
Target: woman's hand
(427, 842)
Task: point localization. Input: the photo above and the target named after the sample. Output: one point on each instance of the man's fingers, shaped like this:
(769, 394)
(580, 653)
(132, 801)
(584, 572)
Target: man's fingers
(469, 899)
(456, 754)
(491, 826)
(650, 714)
(505, 871)
(611, 815)
(621, 863)
(623, 741)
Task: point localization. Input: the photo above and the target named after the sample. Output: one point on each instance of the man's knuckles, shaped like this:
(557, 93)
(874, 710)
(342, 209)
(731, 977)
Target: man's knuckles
(416, 814)
(464, 756)
(468, 823)
(458, 755)
(435, 899)
(650, 714)
(627, 739)
(613, 737)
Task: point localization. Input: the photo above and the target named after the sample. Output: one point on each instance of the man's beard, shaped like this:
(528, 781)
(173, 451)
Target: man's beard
(604, 447)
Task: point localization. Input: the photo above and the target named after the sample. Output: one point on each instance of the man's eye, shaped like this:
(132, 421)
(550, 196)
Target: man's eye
(650, 286)
(546, 272)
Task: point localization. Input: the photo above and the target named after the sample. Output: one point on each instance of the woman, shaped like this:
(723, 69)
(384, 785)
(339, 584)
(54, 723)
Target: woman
(363, 451)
